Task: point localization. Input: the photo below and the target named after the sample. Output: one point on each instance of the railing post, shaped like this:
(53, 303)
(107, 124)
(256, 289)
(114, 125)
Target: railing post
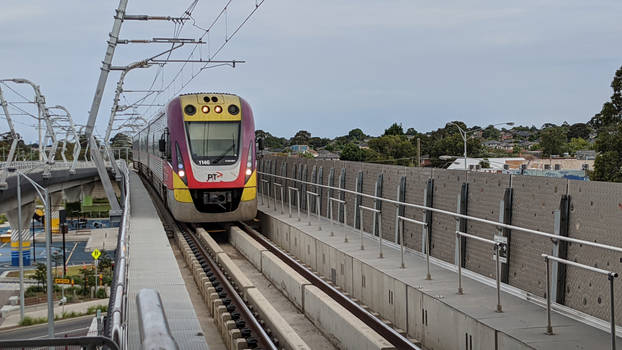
(360, 217)
(549, 327)
(379, 215)
(345, 221)
(459, 265)
(611, 276)
(498, 277)
(298, 203)
(317, 210)
(428, 276)
(330, 217)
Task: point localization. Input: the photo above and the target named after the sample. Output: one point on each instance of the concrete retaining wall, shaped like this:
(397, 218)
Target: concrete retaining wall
(338, 324)
(420, 315)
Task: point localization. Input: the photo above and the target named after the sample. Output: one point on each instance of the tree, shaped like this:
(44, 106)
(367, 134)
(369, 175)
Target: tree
(608, 164)
(394, 129)
(270, 141)
(612, 110)
(608, 124)
(578, 130)
(318, 142)
(41, 274)
(352, 152)
(356, 135)
(411, 132)
(485, 164)
(553, 140)
(301, 138)
(393, 147)
(577, 144)
(491, 133)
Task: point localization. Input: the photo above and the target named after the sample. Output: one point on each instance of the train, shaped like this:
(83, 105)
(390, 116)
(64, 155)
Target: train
(199, 153)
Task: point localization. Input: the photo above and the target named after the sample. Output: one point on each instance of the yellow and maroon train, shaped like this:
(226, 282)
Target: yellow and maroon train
(199, 154)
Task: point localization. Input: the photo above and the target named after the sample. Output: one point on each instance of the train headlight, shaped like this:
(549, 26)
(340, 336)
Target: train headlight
(218, 109)
(205, 109)
(181, 173)
(249, 163)
(233, 109)
(190, 109)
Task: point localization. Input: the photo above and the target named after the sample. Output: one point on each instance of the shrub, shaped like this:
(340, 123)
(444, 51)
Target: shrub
(93, 309)
(33, 290)
(101, 293)
(28, 321)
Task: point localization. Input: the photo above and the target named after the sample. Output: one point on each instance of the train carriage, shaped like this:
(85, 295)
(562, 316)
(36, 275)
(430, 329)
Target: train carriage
(199, 154)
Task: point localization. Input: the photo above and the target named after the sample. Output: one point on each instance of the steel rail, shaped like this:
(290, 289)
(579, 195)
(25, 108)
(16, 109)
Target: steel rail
(264, 338)
(458, 215)
(390, 334)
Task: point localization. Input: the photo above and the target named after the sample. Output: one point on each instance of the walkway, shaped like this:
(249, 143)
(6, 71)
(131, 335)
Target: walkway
(152, 265)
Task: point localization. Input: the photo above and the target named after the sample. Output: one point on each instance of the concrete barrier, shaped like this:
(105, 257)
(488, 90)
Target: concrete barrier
(239, 278)
(211, 244)
(288, 281)
(246, 245)
(287, 336)
(343, 328)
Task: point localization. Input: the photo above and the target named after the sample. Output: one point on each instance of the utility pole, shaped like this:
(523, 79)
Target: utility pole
(115, 208)
(418, 151)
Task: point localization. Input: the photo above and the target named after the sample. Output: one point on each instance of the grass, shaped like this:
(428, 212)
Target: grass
(29, 321)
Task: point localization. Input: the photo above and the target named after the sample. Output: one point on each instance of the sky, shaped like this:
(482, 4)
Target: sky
(330, 66)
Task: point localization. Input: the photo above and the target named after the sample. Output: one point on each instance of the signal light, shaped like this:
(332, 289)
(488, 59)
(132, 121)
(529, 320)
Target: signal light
(218, 109)
(181, 173)
(205, 109)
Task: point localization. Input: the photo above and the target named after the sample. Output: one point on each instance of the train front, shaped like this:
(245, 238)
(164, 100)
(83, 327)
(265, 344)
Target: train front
(212, 169)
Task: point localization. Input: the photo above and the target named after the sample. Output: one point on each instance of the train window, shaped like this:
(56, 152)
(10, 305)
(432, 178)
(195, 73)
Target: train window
(213, 142)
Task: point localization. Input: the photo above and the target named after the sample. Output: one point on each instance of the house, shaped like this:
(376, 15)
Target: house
(299, 148)
(326, 155)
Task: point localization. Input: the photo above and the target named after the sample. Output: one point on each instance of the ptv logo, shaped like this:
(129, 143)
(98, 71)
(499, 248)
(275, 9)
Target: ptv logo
(214, 176)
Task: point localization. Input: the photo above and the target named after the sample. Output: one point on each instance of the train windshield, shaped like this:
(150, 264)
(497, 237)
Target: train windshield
(213, 142)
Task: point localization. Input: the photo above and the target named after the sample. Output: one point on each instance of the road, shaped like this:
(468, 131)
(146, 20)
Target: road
(73, 327)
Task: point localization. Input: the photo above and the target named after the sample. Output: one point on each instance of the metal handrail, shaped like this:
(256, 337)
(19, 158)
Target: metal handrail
(154, 330)
(330, 214)
(497, 246)
(317, 205)
(280, 186)
(117, 314)
(376, 215)
(89, 343)
(289, 200)
(399, 218)
(611, 275)
(459, 216)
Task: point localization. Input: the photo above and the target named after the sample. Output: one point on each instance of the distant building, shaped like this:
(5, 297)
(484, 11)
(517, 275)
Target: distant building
(496, 164)
(299, 148)
(586, 155)
(326, 155)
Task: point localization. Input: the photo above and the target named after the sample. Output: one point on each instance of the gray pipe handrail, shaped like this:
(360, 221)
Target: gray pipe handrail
(458, 215)
(117, 313)
(611, 275)
(155, 333)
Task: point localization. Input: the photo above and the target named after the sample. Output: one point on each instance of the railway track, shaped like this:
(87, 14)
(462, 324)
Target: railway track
(250, 328)
(216, 278)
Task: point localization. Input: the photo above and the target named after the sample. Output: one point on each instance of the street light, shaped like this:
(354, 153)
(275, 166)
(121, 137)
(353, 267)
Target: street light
(464, 133)
(44, 195)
